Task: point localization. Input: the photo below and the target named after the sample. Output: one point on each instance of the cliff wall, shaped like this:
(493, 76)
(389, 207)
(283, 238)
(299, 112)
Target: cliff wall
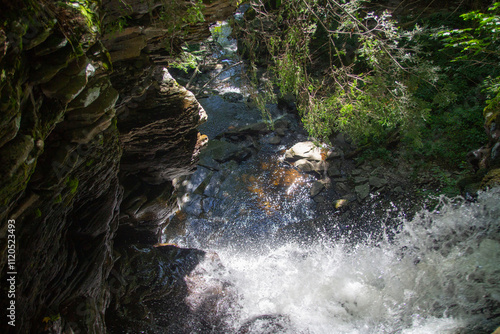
(92, 131)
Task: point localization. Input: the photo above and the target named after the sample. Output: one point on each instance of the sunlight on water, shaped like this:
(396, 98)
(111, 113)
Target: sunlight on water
(439, 274)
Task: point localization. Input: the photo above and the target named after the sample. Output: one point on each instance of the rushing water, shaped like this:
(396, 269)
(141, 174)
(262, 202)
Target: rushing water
(439, 274)
(435, 273)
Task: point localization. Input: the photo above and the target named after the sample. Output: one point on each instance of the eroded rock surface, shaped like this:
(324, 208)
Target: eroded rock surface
(67, 159)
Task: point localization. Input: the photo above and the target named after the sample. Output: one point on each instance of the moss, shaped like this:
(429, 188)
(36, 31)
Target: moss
(72, 184)
(38, 213)
(491, 179)
(58, 199)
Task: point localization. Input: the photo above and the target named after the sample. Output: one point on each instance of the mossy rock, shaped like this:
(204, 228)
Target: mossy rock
(67, 84)
(15, 167)
(491, 179)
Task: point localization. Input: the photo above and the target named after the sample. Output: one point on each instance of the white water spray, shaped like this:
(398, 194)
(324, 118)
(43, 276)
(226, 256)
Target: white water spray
(439, 274)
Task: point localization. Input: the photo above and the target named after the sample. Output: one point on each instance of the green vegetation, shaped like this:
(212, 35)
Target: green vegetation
(72, 184)
(355, 68)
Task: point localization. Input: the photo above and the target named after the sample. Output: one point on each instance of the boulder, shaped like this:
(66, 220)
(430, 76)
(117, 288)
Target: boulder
(304, 150)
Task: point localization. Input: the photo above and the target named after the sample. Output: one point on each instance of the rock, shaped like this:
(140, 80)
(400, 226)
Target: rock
(68, 83)
(377, 182)
(127, 44)
(334, 171)
(342, 187)
(304, 150)
(318, 186)
(16, 166)
(91, 93)
(232, 97)
(280, 132)
(360, 179)
(341, 203)
(145, 277)
(357, 172)
(362, 191)
(259, 128)
(159, 137)
(275, 140)
(305, 165)
(282, 124)
(222, 151)
(491, 179)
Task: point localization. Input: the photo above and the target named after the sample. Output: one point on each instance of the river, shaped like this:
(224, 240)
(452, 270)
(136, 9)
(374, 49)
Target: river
(437, 272)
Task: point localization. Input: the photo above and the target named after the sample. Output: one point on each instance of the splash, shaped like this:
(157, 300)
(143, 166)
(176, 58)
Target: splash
(438, 274)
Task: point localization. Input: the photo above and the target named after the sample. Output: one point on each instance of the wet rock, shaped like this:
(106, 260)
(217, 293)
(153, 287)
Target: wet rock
(159, 137)
(318, 186)
(232, 97)
(360, 180)
(377, 182)
(491, 179)
(306, 165)
(275, 140)
(222, 151)
(341, 187)
(267, 324)
(280, 132)
(163, 289)
(254, 129)
(362, 191)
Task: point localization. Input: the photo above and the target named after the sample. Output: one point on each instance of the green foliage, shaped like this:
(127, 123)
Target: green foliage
(369, 68)
(190, 57)
(176, 15)
(89, 10)
(117, 26)
(483, 38)
(220, 33)
(479, 45)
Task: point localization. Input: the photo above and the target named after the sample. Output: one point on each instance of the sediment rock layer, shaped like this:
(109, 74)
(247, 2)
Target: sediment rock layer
(90, 139)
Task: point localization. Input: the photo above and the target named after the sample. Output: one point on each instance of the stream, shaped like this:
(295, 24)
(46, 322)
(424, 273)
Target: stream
(436, 271)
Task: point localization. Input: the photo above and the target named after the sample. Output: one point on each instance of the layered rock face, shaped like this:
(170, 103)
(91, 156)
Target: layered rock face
(77, 137)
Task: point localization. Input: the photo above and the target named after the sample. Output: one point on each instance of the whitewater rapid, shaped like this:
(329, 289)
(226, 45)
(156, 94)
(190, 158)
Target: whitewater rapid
(438, 274)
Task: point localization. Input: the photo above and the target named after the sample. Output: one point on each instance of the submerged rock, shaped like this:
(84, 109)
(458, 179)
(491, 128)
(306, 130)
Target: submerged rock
(267, 324)
(222, 151)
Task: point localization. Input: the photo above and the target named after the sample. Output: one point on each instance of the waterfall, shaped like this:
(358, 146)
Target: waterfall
(437, 274)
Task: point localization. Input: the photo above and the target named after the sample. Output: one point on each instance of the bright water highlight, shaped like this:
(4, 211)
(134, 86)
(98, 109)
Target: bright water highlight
(438, 274)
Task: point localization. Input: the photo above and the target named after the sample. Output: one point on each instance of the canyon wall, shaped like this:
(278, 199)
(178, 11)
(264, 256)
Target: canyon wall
(92, 131)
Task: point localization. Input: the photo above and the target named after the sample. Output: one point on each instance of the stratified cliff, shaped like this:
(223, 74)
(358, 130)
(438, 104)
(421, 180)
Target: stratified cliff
(92, 131)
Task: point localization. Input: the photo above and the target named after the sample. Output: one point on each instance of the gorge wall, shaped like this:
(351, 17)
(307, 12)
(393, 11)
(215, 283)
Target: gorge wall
(92, 131)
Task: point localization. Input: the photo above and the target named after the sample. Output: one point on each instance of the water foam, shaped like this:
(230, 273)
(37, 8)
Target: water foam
(439, 274)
